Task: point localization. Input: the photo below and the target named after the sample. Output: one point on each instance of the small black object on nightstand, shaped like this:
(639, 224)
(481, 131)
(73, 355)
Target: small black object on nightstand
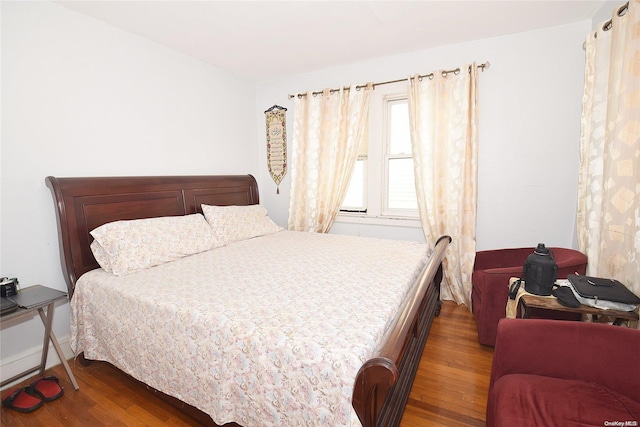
(7, 306)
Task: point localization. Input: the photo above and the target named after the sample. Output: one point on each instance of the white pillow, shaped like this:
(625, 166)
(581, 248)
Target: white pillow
(234, 223)
(122, 247)
(101, 256)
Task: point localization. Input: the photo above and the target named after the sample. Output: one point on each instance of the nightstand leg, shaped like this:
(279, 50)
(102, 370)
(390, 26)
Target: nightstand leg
(47, 320)
(523, 309)
(49, 335)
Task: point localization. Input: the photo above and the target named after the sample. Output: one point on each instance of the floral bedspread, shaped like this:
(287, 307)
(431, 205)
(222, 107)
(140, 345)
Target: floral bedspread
(269, 331)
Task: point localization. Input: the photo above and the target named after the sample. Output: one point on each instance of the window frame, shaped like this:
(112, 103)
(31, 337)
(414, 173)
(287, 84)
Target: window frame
(387, 102)
(376, 192)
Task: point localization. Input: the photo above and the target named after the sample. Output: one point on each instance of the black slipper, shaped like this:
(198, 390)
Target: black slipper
(20, 400)
(46, 388)
(565, 297)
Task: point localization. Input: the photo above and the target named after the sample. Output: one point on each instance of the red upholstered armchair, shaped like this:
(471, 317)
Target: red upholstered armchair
(491, 274)
(556, 373)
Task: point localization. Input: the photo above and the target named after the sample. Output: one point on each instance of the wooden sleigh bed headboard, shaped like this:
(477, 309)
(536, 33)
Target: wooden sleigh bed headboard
(83, 204)
(383, 383)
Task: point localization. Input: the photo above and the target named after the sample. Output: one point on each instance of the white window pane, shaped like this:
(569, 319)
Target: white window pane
(355, 194)
(402, 187)
(399, 134)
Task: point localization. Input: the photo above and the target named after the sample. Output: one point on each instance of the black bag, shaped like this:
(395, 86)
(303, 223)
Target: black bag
(602, 289)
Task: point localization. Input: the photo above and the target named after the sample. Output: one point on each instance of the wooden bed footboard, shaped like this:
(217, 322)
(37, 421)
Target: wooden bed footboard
(384, 382)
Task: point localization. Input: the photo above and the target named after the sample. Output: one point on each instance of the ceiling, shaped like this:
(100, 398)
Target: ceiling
(265, 40)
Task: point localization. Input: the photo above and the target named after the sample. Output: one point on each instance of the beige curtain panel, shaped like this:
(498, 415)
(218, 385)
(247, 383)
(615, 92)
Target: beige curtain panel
(444, 136)
(609, 184)
(328, 129)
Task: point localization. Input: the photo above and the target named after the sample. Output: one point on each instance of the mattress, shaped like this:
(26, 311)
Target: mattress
(269, 331)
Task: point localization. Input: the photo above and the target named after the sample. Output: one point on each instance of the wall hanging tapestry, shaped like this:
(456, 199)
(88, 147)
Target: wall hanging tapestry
(276, 144)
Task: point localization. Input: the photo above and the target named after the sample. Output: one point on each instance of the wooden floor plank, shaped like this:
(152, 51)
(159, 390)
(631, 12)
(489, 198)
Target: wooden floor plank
(452, 382)
(450, 389)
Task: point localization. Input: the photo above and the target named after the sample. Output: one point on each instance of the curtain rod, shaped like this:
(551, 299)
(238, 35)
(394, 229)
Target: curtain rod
(622, 10)
(430, 75)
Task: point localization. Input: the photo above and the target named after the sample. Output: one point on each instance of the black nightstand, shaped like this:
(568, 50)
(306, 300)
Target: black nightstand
(34, 298)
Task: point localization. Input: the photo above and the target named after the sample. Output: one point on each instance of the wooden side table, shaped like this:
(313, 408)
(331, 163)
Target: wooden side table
(36, 298)
(529, 301)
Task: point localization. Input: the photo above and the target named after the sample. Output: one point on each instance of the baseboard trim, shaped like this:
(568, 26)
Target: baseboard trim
(31, 357)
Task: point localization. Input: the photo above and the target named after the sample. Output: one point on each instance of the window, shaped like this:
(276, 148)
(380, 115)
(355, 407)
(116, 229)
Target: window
(382, 184)
(355, 201)
(400, 184)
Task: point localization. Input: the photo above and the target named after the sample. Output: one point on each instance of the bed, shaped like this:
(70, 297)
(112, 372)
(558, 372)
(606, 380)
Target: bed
(247, 349)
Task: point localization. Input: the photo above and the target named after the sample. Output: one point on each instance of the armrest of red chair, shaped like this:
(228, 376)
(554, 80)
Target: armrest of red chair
(501, 258)
(489, 300)
(591, 352)
(569, 261)
(499, 261)
(493, 285)
(493, 279)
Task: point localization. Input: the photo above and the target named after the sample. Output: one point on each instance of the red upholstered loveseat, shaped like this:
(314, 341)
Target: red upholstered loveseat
(558, 373)
(491, 273)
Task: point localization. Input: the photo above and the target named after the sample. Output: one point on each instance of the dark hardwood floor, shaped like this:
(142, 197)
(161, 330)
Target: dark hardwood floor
(450, 388)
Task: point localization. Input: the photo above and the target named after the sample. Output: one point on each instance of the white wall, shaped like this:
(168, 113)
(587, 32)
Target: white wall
(82, 98)
(530, 107)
